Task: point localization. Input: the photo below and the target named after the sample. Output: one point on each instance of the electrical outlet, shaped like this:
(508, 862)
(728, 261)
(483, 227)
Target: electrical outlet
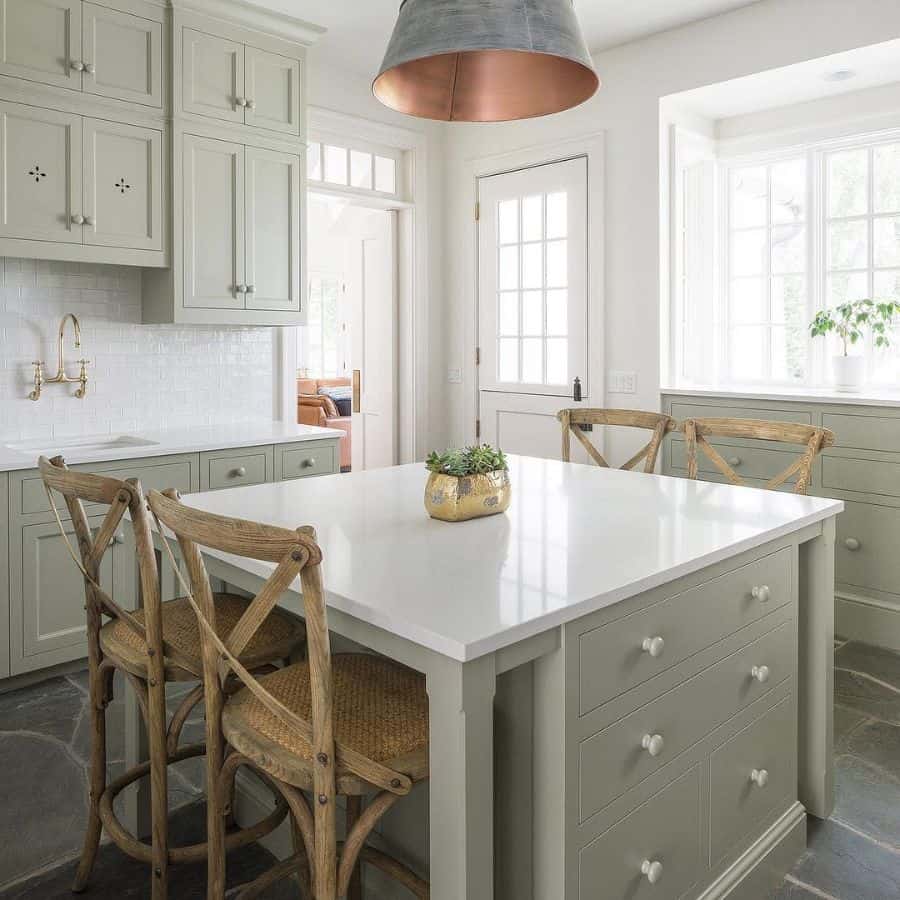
(621, 382)
(454, 376)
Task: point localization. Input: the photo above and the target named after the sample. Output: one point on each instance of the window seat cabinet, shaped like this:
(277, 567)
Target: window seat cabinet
(41, 595)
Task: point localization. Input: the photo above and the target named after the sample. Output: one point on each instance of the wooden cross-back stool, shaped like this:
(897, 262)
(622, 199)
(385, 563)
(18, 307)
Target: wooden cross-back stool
(572, 421)
(156, 644)
(352, 724)
(812, 439)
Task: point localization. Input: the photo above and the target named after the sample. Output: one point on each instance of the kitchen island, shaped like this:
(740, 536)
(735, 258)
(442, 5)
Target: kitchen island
(646, 660)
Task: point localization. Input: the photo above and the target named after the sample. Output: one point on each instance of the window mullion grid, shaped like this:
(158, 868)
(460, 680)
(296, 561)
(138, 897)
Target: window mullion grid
(521, 286)
(544, 247)
(869, 342)
(767, 274)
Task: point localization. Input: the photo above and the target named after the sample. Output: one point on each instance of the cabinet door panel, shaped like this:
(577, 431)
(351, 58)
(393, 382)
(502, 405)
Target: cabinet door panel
(273, 230)
(125, 52)
(4, 579)
(213, 75)
(123, 185)
(213, 223)
(273, 86)
(40, 165)
(39, 39)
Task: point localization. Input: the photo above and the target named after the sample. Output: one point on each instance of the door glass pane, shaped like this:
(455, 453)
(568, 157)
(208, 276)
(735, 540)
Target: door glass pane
(533, 218)
(887, 242)
(314, 161)
(532, 362)
(361, 169)
(557, 361)
(844, 286)
(848, 245)
(748, 352)
(508, 221)
(788, 250)
(557, 312)
(335, 164)
(385, 175)
(748, 252)
(749, 193)
(887, 178)
(557, 215)
(508, 359)
(532, 313)
(789, 191)
(748, 301)
(508, 319)
(508, 276)
(557, 264)
(532, 265)
(848, 183)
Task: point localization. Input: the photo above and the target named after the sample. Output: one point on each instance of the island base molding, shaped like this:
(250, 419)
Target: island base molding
(866, 619)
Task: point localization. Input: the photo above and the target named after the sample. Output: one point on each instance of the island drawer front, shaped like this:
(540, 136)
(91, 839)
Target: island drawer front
(302, 463)
(614, 760)
(665, 830)
(164, 474)
(864, 432)
(865, 476)
(866, 554)
(737, 802)
(251, 465)
(749, 462)
(682, 410)
(612, 659)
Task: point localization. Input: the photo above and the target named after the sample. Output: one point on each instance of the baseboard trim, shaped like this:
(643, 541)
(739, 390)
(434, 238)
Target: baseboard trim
(867, 619)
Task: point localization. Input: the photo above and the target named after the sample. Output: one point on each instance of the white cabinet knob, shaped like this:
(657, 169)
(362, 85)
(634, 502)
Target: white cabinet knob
(89, 68)
(760, 673)
(89, 220)
(239, 472)
(241, 288)
(308, 463)
(119, 539)
(251, 288)
(653, 870)
(251, 104)
(240, 101)
(734, 461)
(654, 646)
(760, 777)
(76, 66)
(77, 220)
(852, 544)
(653, 744)
(761, 592)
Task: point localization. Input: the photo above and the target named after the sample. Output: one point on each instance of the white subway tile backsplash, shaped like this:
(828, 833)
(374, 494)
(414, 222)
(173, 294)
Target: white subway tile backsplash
(140, 377)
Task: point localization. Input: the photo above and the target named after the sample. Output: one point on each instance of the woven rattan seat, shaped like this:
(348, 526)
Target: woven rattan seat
(380, 710)
(276, 638)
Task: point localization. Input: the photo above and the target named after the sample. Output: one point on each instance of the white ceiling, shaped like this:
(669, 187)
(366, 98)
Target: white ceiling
(358, 30)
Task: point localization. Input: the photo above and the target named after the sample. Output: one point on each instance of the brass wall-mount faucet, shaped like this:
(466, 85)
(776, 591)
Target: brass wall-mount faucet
(60, 377)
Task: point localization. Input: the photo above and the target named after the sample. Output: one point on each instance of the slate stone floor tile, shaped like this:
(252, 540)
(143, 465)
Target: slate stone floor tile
(53, 708)
(846, 721)
(878, 743)
(880, 663)
(867, 799)
(865, 694)
(794, 890)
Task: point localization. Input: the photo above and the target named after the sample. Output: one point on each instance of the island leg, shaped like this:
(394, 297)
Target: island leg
(815, 692)
(461, 781)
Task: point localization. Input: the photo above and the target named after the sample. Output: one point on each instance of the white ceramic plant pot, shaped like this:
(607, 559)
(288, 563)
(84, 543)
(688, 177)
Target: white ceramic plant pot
(849, 373)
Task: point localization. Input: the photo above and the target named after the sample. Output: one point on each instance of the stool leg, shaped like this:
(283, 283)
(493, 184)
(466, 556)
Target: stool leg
(98, 693)
(159, 799)
(354, 888)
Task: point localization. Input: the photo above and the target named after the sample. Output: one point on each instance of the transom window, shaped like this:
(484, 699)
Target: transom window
(532, 289)
(360, 169)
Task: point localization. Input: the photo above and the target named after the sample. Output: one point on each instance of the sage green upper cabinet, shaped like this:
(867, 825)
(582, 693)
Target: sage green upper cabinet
(84, 47)
(40, 174)
(122, 55)
(273, 91)
(40, 41)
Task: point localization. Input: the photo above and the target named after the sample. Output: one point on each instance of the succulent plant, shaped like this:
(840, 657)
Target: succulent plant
(476, 460)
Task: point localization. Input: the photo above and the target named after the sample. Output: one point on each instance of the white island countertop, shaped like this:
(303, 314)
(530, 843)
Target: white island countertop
(150, 443)
(575, 539)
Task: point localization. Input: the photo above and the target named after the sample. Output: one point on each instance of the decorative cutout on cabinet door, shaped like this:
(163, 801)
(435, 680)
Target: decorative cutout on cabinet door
(122, 186)
(37, 174)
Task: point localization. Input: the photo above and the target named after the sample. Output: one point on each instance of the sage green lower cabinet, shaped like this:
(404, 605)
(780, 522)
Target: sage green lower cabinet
(862, 469)
(42, 598)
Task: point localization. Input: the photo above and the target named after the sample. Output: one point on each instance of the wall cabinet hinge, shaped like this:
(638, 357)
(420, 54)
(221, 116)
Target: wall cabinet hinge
(478, 356)
(477, 210)
(478, 428)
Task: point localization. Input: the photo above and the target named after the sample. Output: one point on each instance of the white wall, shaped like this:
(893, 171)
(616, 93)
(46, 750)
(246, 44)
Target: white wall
(768, 34)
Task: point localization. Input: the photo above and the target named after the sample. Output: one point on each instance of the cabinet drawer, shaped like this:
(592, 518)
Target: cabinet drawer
(306, 461)
(866, 553)
(686, 410)
(612, 659)
(864, 432)
(749, 462)
(234, 468)
(867, 476)
(614, 760)
(665, 830)
(751, 774)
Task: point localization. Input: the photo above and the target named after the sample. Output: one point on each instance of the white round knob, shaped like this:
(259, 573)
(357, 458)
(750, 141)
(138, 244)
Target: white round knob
(654, 646)
(761, 593)
(760, 777)
(734, 462)
(653, 870)
(76, 66)
(89, 68)
(251, 288)
(77, 220)
(251, 104)
(760, 673)
(852, 544)
(653, 743)
(241, 288)
(89, 220)
(240, 472)
(119, 539)
(308, 463)
(240, 101)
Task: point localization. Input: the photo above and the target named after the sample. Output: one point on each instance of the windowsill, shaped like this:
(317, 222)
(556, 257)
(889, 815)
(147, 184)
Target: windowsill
(869, 396)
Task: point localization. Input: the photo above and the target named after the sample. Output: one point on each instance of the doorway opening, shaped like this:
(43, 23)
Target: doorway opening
(347, 351)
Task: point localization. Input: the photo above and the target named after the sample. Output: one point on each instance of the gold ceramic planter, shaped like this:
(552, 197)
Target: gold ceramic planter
(454, 499)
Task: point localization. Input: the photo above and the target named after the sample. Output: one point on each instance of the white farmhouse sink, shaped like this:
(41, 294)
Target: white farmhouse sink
(85, 444)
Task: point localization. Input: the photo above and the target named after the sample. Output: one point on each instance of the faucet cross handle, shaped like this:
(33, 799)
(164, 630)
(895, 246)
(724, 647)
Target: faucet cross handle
(38, 380)
(82, 378)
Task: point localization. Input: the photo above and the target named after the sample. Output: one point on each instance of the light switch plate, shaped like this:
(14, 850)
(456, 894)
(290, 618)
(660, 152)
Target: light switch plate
(454, 376)
(621, 382)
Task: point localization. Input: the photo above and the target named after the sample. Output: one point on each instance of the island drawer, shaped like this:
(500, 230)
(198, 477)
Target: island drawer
(666, 831)
(616, 759)
(233, 468)
(750, 775)
(864, 432)
(866, 553)
(612, 658)
(301, 462)
(747, 462)
(865, 476)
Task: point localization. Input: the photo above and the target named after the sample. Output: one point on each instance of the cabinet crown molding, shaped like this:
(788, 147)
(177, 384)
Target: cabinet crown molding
(269, 21)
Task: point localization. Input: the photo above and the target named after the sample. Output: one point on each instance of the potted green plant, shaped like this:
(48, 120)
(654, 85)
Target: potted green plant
(849, 321)
(467, 483)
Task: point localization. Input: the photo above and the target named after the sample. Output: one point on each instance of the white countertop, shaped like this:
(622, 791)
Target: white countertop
(575, 539)
(161, 443)
(868, 397)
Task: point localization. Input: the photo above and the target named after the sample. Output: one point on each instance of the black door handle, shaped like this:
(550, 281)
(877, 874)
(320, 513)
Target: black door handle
(576, 390)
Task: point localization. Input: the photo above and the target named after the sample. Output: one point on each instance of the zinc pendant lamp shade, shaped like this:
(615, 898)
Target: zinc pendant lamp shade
(485, 60)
